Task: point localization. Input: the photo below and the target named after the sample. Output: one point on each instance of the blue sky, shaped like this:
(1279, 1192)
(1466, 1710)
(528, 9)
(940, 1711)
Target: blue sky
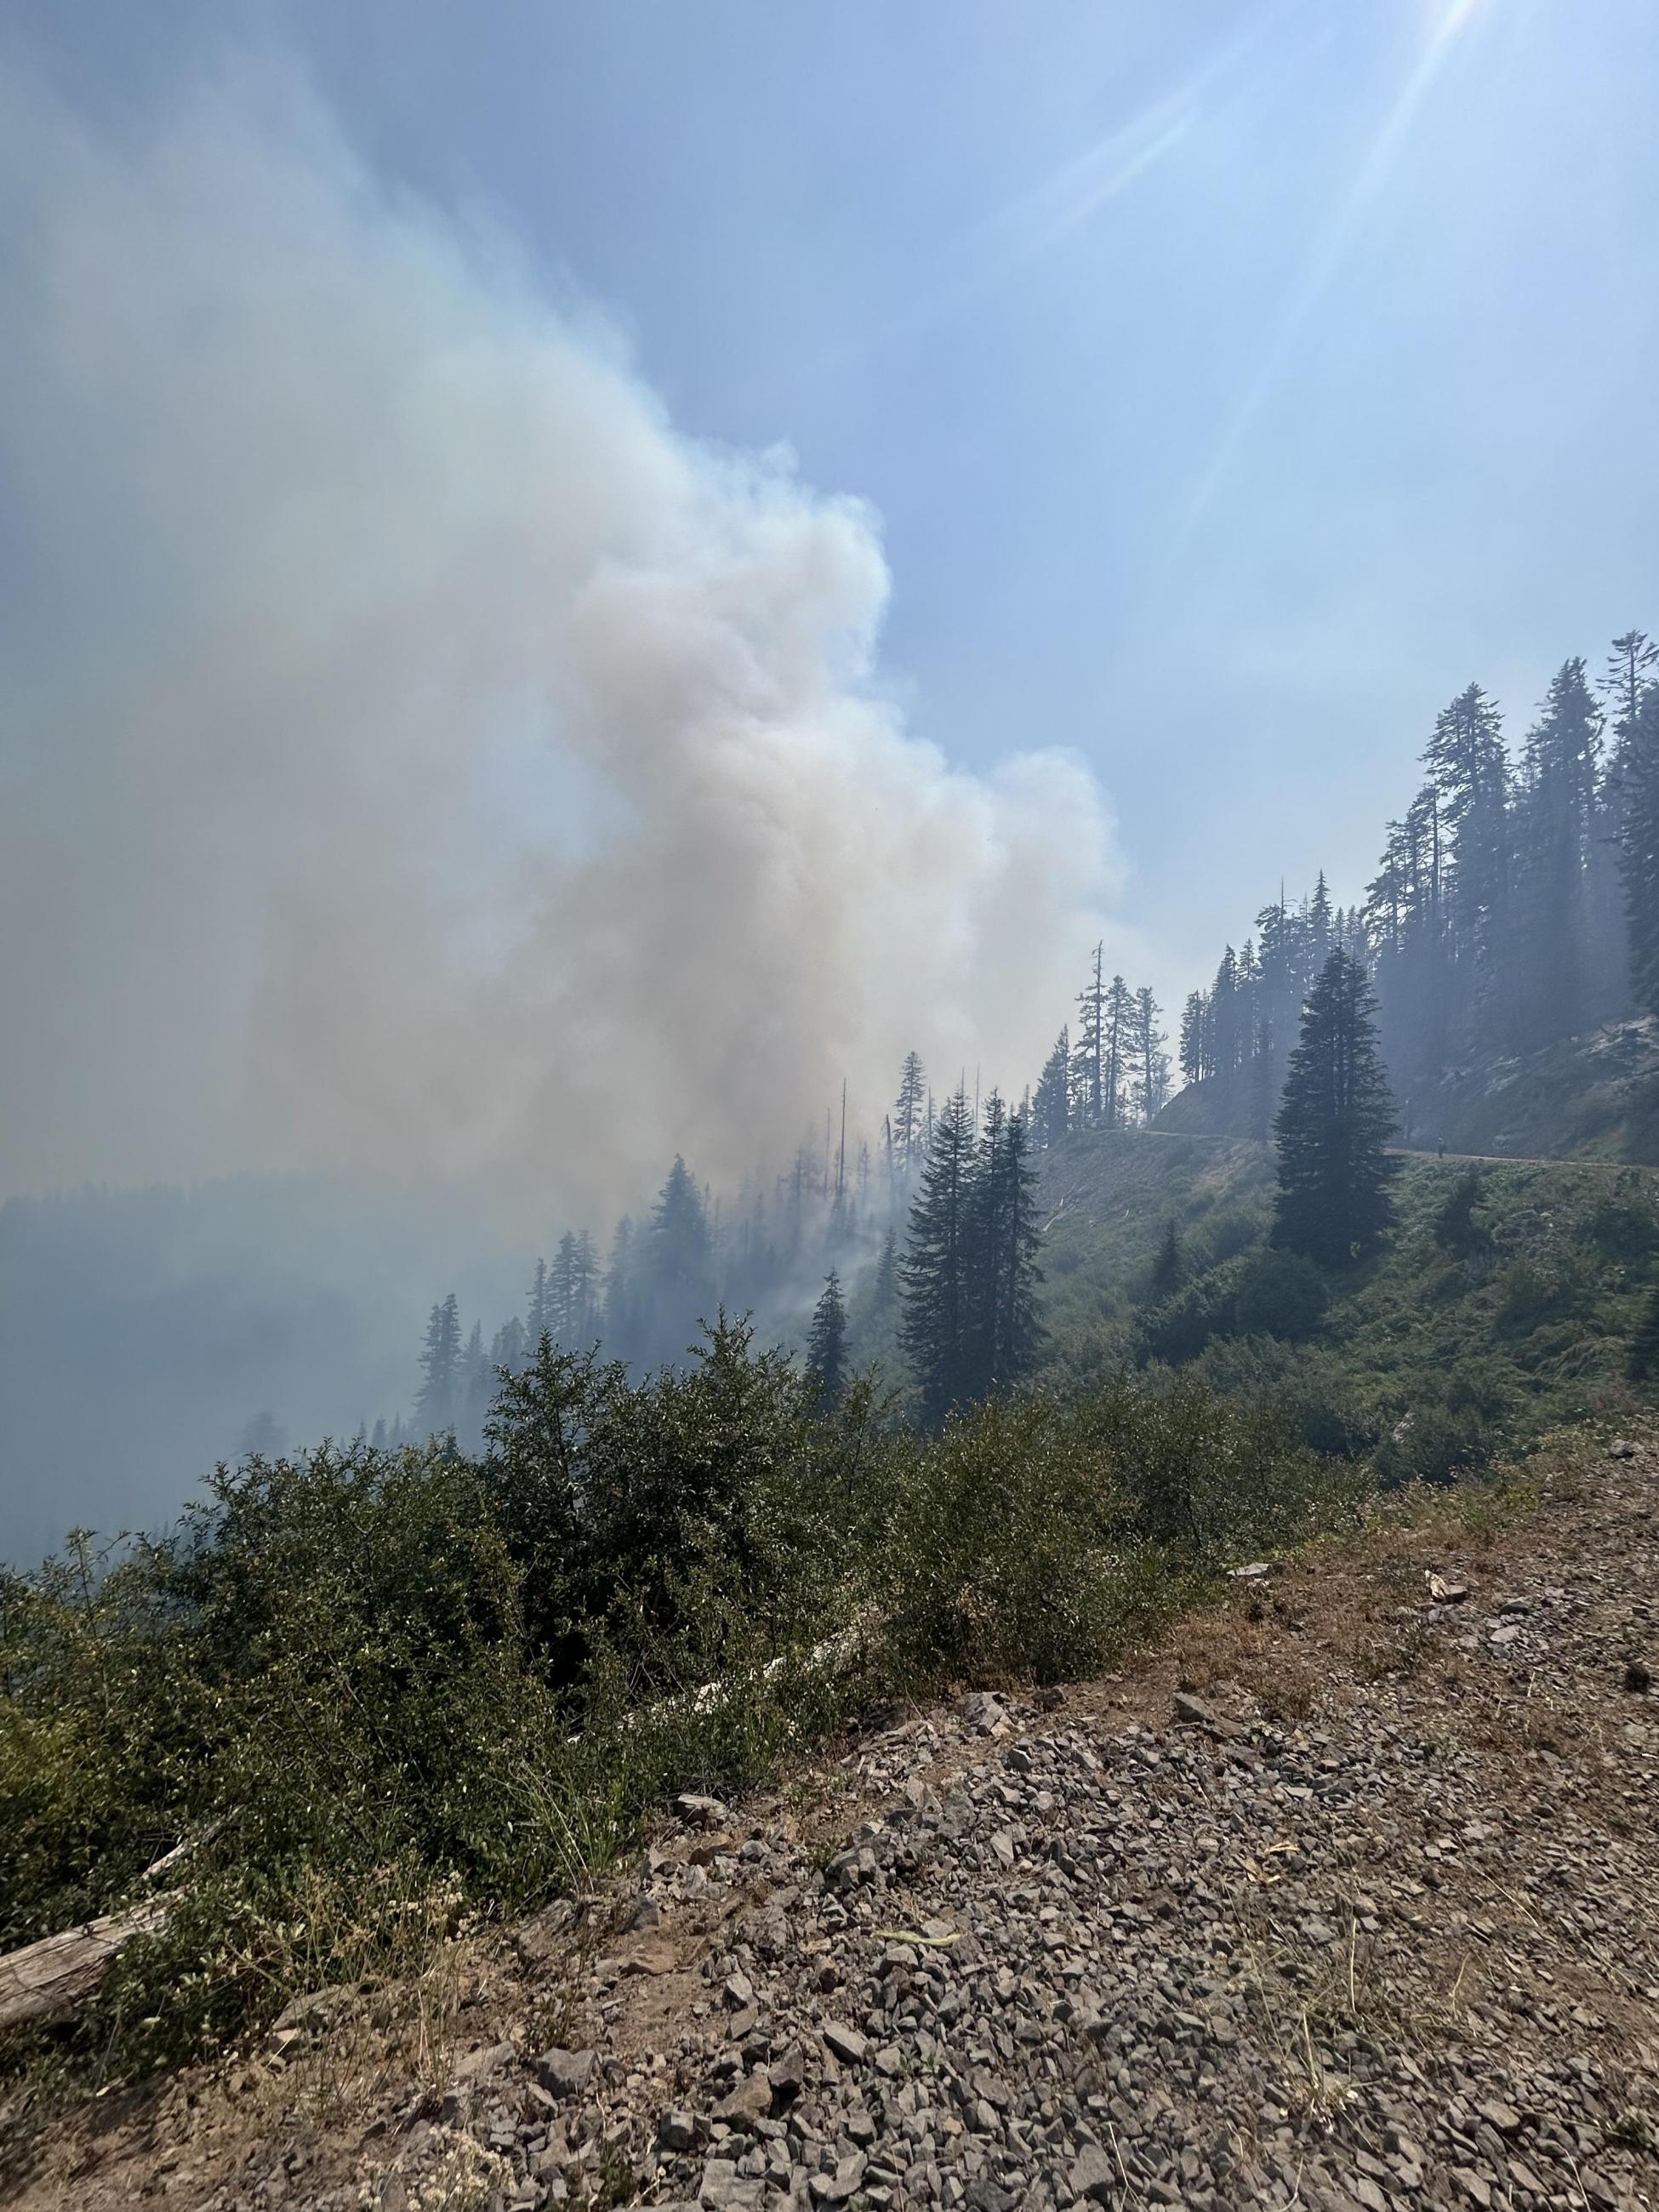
(1233, 382)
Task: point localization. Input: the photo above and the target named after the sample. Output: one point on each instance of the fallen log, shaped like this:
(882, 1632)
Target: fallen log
(51, 1979)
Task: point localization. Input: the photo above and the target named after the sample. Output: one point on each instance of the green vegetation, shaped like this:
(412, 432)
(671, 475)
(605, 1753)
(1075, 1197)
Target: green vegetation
(1505, 1300)
(1335, 1118)
(382, 1689)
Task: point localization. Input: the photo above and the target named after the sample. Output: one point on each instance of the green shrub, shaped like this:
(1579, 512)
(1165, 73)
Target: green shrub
(1432, 1445)
(1628, 1235)
(1454, 1226)
(380, 1691)
(1278, 1293)
(1208, 1476)
(1003, 1552)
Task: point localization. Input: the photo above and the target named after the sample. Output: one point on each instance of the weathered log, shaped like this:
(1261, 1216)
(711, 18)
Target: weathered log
(52, 1979)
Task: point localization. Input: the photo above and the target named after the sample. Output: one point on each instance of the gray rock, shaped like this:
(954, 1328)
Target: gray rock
(987, 2196)
(701, 1812)
(837, 2188)
(849, 2046)
(750, 2101)
(564, 2073)
(1093, 2175)
(983, 1712)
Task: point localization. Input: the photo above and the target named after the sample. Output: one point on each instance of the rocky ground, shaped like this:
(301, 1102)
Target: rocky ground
(1349, 1895)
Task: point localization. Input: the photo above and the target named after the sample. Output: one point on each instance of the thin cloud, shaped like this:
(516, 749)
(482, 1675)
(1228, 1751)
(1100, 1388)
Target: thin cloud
(1330, 251)
(1039, 220)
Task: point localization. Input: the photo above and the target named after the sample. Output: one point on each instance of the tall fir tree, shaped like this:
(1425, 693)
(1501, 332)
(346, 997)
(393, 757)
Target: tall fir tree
(436, 1405)
(1470, 772)
(474, 1391)
(1005, 1334)
(586, 1290)
(1089, 1052)
(1169, 1268)
(885, 1286)
(907, 1120)
(826, 1342)
(933, 1274)
(1638, 845)
(539, 1316)
(1051, 1108)
(1117, 1047)
(1333, 1125)
(1151, 1061)
(1195, 1019)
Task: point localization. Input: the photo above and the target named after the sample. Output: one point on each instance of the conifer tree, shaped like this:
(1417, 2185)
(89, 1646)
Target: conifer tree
(1194, 1058)
(908, 1118)
(1630, 669)
(585, 1291)
(1169, 1268)
(885, 1289)
(1470, 769)
(1089, 1055)
(474, 1391)
(1117, 1047)
(933, 1272)
(1319, 925)
(1051, 1108)
(1010, 1273)
(1643, 1360)
(1639, 846)
(538, 1321)
(557, 1316)
(826, 1342)
(1152, 1062)
(680, 1245)
(679, 1265)
(436, 1404)
(508, 1347)
(1261, 1084)
(622, 1296)
(1333, 1124)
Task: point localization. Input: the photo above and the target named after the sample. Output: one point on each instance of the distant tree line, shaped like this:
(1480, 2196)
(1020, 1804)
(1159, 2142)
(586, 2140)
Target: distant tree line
(938, 1226)
(1516, 901)
(1113, 1074)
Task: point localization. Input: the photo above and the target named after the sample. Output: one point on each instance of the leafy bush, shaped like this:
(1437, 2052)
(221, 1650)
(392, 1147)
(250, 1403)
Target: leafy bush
(1265, 1292)
(1628, 1235)
(1180, 1329)
(1455, 1228)
(381, 1691)
(1278, 1293)
(1432, 1445)
(1003, 1552)
(1208, 1476)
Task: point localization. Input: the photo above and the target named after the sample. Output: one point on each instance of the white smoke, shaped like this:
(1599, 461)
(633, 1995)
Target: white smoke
(417, 758)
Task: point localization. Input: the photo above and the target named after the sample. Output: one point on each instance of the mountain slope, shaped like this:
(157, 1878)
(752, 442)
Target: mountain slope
(1592, 1097)
(1370, 1919)
(1504, 1301)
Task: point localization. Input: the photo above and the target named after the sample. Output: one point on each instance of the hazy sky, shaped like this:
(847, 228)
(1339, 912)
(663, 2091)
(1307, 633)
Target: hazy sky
(1228, 384)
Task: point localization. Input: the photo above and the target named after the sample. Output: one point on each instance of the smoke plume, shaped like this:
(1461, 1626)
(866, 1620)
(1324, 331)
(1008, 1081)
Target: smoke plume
(419, 759)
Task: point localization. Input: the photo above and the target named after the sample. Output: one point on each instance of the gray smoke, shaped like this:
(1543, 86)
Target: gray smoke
(417, 758)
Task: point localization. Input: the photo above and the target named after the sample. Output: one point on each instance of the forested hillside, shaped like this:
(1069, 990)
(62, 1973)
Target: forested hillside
(1516, 905)
(1509, 1296)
